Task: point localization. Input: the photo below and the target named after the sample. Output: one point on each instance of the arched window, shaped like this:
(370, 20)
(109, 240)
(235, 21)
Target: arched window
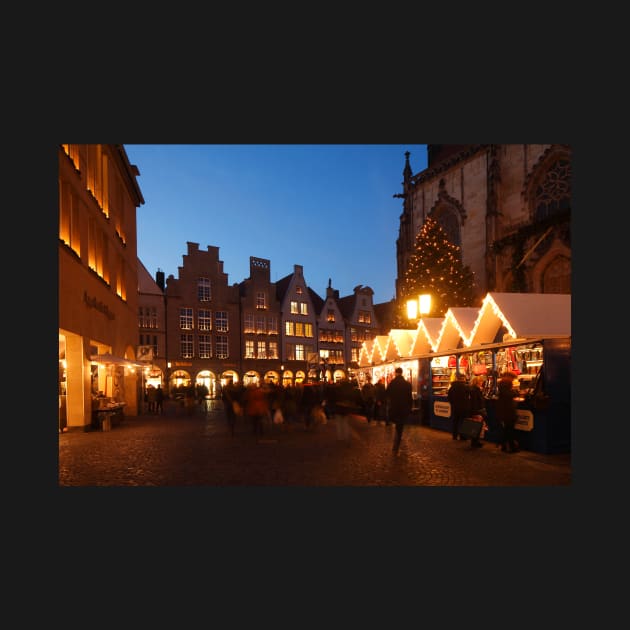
(552, 195)
(556, 277)
(450, 224)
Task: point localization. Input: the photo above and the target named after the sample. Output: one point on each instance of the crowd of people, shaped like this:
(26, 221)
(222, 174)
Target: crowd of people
(468, 403)
(314, 403)
(270, 404)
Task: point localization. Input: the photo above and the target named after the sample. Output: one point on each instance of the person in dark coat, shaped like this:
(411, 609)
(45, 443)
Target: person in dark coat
(506, 412)
(400, 400)
(159, 400)
(459, 397)
(368, 396)
(380, 401)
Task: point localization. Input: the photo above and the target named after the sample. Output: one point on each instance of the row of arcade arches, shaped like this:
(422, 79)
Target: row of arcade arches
(181, 379)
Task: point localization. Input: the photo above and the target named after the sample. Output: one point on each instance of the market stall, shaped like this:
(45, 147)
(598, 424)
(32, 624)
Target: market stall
(526, 334)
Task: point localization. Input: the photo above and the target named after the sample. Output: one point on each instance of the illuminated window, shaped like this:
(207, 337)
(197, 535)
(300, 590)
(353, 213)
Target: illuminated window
(249, 349)
(203, 289)
(260, 324)
(299, 329)
(308, 330)
(262, 350)
(186, 318)
(272, 325)
(299, 352)
(298, 290)
(204, 319)
(261, 300)
(147, 317)
(221, 321)
(294, 308)
(330, 317)
(205, 346)
(303, 308)
(248, 326)
(222, 347)
(289, 329)
(186, 346)
(69, 218)
(365, 317)
(273, 349)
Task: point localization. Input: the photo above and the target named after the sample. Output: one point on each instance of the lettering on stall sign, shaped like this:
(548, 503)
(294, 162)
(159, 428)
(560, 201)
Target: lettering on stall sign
(99, 306)
(442, 409)
(524, 420)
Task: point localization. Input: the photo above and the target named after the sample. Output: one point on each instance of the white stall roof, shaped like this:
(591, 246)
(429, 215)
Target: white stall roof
(365, 355)
(403, 339)
(431, 326)
(525, 315)
(458, 324)
(381, 347)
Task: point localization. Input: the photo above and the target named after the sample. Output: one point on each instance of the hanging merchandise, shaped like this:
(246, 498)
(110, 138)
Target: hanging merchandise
(512, 362)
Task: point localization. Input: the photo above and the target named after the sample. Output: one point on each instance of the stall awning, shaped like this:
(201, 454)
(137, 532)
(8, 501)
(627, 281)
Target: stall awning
(110, 359)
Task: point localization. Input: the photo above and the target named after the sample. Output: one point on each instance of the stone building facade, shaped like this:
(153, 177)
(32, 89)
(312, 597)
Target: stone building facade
(202, 322)
(98, 282)
(508, 206)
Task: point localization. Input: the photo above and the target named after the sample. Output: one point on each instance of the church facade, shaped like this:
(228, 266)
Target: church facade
(508, 206)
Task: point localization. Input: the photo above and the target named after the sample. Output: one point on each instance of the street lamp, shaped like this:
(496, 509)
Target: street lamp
(419, 306)
(424, 303)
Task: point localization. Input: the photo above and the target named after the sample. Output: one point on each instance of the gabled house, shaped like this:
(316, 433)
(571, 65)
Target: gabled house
(260, 324)
(298, 343)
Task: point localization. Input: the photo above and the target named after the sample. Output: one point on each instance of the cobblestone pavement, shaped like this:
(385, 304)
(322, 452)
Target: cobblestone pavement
(176, 449)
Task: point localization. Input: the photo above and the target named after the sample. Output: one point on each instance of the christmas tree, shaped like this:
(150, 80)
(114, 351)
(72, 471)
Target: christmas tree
(436, 267)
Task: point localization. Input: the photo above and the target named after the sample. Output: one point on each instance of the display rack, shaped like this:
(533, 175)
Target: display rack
(440, 380)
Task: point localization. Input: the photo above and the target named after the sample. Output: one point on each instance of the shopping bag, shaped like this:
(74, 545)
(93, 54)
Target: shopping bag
(470, 427)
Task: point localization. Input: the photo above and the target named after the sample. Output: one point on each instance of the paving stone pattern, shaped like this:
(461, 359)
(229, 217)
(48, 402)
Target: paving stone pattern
(176, 449)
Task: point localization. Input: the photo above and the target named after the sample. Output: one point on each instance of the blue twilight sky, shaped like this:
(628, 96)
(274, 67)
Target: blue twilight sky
(329, 208)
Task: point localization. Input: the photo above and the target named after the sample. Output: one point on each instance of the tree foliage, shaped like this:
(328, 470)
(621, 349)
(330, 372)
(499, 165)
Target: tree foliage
(436, 267)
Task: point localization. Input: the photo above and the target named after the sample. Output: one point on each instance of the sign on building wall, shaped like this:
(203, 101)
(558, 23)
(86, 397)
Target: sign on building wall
(145, 353)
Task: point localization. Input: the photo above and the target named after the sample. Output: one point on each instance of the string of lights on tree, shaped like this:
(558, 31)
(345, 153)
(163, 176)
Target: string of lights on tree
(436, 267)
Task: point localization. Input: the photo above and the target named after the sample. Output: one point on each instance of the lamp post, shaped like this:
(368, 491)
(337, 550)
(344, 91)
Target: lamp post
(419, 306)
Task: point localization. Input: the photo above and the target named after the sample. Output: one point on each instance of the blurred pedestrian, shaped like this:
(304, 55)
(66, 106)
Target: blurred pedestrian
(459, 397)
(159, 399)
(400, 401)
(229, 396)
(346, 400)
(368, 396)
(380, 401)
(151, 398)
(256, 407)
(189, 400)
